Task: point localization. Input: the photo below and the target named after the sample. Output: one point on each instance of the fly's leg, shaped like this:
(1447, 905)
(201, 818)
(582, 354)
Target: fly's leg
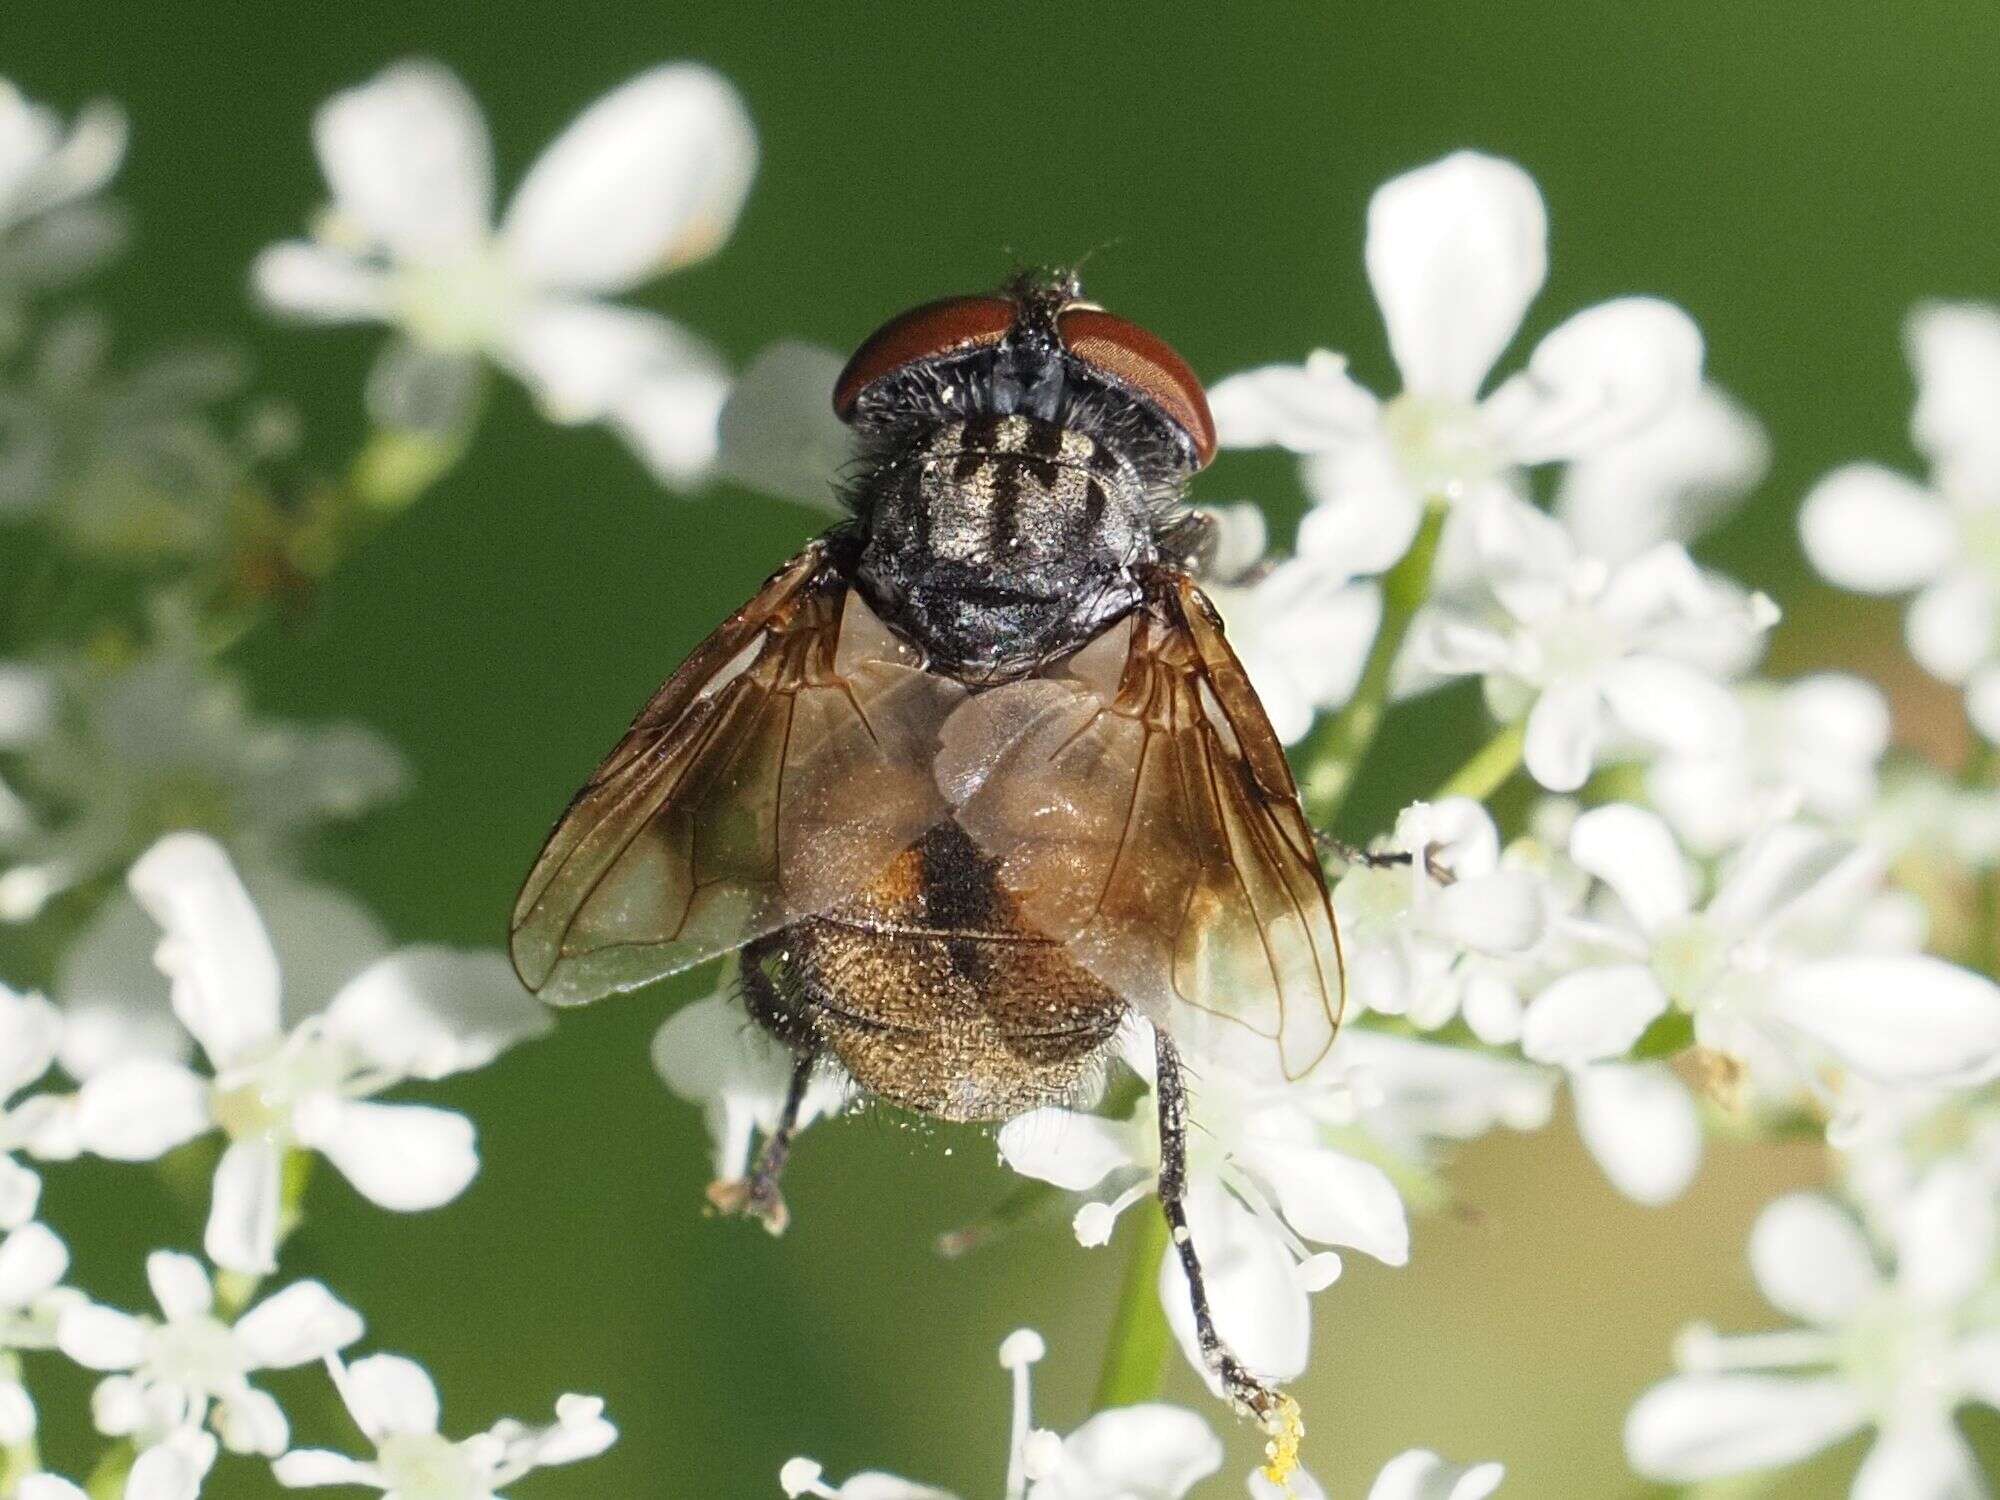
(1354, 854)
(757, 1195)
(1276, 1412)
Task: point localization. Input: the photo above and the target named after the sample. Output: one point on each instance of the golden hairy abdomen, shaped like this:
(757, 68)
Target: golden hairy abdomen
(933, 993)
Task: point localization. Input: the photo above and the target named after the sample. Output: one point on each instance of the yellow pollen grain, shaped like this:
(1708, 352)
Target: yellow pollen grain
(1287, 1427)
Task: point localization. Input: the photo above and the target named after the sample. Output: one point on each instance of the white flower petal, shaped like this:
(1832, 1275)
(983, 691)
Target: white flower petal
(672, 418)
(1896, 1018)
(1074, 1151)
(406, 1157)
(1982, 702)
(1308, 408)
(778, 432)
(1669, 481)
(1811, 1260)
(582, 358)
(386, 1393)
(242, 1233)
(101, 1338)
(1365, 512)
(308, 280)
(1641, 1125)
(138, 1109)
(309, 1468)
(1147, 1452)
(1873, 530)
(1672, 705)
(428, 1012)
(1955, 349)
(304, 1322)
(408, 160)
(1633, 851)
(1946, 1233)
(650, 177)
(1953, 625)
(1599, 377)
(48, 1487)
(17, 1416)
(1456, 252)
(1565, 727)
(1260, 1309)
(20, 1193)
(1696, 1427)
(1779, 867)
(1334, 1199)
(180, 1285)
(1422, 1475)
(32, 1261)
(251, 1421)
(1921, 1460)
(1592, 1014)
(213, 947)
(1498, 913)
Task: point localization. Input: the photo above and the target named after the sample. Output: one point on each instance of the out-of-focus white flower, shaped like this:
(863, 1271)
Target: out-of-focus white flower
(1301, 628)
(1146, 1452)
(712, 1054)
(1262, 1181)
(163, 742)
(1773, 969)
(32, 1300)
(1924, 814)
(1404, 931)
(1418, 1474)
(1897, 1353)
(420, 1012)
(175, 1373)
(1873, 530)
(394, 1403)
(778, 430)
(1669, 481)
(1810, 747)
(172, 1469)
(1456, 251)
(50, 230)
(649, 178)
(1591, 653)
(29, 1031)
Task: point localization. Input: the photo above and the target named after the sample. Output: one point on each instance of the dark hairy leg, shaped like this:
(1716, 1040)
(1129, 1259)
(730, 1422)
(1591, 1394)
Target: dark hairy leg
(757, 1195)
(1276, 1412)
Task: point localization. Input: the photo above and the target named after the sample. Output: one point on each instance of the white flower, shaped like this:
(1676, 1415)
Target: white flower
(1261, 1182)
(171, 1469)
(1301, 628)
(1147, 1452)
(1811, 747)
(1768, 969)
(712, 1054)
(191, 1366)
(1898, 1353)
(394, 1403)
(1403, 929)
(1418, 1474)
(778, 431)
(163, 741)
(1591, 653)
(29, 1031)
(1926, 815)
(1456, 251)
(420, 1012)
(1873, 530)
(49, 230)
(32, 1263)
(1669, 481)
(649, 178)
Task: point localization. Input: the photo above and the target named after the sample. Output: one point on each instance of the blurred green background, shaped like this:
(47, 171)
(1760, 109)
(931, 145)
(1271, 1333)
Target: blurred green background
(1795, 173)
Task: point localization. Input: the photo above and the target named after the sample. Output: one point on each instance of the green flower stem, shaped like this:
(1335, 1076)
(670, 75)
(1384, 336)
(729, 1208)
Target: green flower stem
(1136, 1359)
(107, 1479)
(1334, 752)
(1489, 768)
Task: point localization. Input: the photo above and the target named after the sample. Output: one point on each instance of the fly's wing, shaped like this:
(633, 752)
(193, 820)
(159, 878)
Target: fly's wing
(774, 774)
(1142, 813)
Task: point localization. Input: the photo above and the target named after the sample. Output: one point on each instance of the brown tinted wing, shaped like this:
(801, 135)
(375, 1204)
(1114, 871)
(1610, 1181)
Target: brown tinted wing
(1143, 813)
(784, 764)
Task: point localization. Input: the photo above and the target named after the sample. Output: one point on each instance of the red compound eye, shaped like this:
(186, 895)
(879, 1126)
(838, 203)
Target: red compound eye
(922, 333)
(1144, 363)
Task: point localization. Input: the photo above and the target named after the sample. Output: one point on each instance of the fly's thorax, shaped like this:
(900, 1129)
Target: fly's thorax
(999, 542)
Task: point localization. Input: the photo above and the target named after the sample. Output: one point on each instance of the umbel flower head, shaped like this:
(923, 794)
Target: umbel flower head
(51, 230)
(649, 178)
